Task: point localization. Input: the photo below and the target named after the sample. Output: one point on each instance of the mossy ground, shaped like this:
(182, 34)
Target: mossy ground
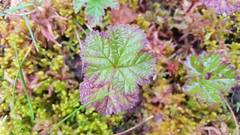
(52, 77)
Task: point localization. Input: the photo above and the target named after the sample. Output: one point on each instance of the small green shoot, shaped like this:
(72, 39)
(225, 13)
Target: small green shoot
(99, 97)
(21, 77)
(27, 22)
(94, 9)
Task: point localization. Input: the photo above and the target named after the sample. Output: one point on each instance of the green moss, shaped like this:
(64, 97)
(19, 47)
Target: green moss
(235, 54)
(55, 92)
(52, 100)
(184, 120)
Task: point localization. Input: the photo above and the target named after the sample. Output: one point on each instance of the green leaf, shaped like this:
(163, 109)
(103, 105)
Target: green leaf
(94, 9)
(22, 5)
(209, 77)
(116, 57)
(194, 65)
(78, 4)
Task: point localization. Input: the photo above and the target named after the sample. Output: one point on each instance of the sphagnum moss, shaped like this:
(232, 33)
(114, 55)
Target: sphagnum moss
(52, 97)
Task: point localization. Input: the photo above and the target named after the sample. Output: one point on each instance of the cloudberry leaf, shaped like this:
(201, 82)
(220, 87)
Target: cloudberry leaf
(107, 100)
(209, 77)
(78, 4)
(115, 58)
(94, 9)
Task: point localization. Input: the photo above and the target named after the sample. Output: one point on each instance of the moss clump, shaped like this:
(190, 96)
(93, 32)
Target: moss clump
(53, 90)
(175, 112)
(178, 113)
(235, 54)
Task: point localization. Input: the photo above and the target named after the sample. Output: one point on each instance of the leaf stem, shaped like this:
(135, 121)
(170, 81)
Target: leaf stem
(136, 126)
(89, 27)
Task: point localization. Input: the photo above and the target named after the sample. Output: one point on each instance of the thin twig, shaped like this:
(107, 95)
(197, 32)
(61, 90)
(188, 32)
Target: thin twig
(233, 115)
(78, 38)
(89, 27)
(217, 132)
(136, 126)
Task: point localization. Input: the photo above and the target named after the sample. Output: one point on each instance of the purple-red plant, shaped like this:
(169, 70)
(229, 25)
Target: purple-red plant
(223, 6)
(45, 18)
